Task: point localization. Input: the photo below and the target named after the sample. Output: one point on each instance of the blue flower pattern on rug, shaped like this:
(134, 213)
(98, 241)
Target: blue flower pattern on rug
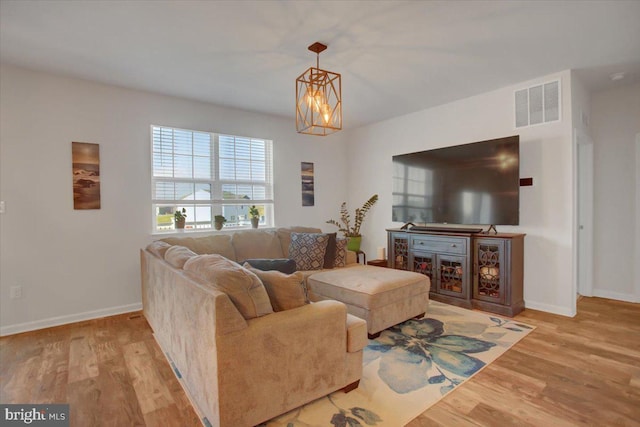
(418, 353)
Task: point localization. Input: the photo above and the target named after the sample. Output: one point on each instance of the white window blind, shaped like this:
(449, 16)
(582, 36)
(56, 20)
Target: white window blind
(210, 174)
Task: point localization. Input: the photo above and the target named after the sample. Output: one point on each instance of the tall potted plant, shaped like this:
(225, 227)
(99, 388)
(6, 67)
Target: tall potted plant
(254, 213)
(352, 232)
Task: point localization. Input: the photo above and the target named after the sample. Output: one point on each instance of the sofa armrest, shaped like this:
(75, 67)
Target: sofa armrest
(357, 338)
(305, 346)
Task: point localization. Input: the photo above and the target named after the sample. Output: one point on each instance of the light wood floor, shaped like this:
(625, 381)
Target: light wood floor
(570, 371)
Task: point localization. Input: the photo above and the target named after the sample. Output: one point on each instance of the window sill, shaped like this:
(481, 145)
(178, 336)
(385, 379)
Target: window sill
(203, 232)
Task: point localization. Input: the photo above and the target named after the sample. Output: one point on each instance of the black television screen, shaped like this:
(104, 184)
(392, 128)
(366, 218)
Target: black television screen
(476, 183)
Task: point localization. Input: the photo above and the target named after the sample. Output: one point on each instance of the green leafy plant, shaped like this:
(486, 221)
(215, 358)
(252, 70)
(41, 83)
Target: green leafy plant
(220, 219)
(254, 212)
(180, 216)
(345, 226)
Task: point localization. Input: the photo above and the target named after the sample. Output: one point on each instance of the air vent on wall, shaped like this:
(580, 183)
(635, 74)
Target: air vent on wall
(538, 104)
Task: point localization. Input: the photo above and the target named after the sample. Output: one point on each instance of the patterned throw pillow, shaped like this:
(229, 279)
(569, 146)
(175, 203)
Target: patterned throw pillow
(341, 253)
(308, 249)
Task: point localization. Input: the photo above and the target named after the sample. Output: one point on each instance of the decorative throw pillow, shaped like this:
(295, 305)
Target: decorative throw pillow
(330, 253)
(285, 290)
(341, 253)
(178, 256)
(243, 287)
(283, 265)
(308, 249)
(158, 248)
(284, 234)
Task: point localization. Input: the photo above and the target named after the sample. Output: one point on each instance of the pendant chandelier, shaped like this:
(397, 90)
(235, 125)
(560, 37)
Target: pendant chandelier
(318, 99)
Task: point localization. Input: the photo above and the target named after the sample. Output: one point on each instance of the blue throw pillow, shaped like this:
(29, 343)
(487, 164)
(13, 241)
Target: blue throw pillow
(284, 265)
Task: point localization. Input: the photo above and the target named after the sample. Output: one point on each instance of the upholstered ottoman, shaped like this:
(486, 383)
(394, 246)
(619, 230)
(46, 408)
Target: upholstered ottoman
(382, 296)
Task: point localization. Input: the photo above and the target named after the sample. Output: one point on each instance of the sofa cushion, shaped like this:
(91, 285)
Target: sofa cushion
(243, 287)
(308, 249)
(341, 253)
(177, 255)
(285, 290)
(284, 234)
(158, 248)
(215, 244)
(283, 265)
(252, 244)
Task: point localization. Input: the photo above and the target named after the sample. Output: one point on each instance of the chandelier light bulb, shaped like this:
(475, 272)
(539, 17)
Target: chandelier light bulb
(326, 112)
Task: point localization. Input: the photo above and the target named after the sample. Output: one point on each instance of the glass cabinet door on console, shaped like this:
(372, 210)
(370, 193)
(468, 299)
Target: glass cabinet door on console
(424, 263)
(489, 282)
(453, 276)
(398, 251)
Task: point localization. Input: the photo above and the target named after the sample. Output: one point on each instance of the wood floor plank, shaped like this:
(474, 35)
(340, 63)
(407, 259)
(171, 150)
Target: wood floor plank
(150, 388)
(118, 400)
(83, 362)
(569, 371)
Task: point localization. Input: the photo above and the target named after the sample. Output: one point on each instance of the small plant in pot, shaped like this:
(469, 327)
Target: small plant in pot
(180, 217)
(218, 221)
(352, 232)
(254, 214)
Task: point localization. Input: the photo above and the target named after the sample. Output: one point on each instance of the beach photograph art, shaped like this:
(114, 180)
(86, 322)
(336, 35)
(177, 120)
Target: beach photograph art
(308, 197)
(86, 175)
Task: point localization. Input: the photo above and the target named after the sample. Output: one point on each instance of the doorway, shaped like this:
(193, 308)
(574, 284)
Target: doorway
(585, 213)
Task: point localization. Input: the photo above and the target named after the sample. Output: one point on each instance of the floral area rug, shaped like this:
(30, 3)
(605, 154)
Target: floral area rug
(411, 366)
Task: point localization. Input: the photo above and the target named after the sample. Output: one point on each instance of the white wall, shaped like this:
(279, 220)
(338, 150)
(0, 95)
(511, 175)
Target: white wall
(546, 155)
(81, 264)
(614, 124)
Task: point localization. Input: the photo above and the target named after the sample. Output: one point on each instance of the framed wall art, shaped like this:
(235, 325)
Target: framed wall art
(308, 196)
(86, 175)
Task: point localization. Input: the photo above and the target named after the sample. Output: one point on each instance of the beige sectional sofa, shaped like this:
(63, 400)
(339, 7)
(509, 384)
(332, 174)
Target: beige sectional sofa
(239, 371)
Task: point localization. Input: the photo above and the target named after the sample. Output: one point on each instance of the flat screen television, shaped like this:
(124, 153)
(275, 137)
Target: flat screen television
(477, 183)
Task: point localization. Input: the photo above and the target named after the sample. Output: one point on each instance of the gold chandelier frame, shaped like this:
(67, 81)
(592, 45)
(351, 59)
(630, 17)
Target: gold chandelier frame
(318, 99)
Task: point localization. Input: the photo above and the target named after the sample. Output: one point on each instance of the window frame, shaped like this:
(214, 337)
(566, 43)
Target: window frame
(216, 201)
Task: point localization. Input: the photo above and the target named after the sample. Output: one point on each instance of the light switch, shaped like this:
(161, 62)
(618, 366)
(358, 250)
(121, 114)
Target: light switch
(2, 207)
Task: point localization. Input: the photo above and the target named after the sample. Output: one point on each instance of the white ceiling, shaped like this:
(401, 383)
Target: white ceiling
(395, 57)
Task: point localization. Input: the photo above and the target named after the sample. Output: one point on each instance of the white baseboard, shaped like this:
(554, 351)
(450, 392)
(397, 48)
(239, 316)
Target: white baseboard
(549, 308)
(604, 293)
(72, 318)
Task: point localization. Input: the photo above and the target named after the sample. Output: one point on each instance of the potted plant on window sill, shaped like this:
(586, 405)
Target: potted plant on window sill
(218, 221)
(180, 217)
(254, 214)
(352, 232)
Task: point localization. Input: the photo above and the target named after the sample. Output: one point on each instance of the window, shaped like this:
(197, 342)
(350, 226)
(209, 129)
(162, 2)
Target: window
(210, 174)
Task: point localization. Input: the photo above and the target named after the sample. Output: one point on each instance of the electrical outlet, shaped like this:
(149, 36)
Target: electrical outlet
(1, 207)
(16, 292)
